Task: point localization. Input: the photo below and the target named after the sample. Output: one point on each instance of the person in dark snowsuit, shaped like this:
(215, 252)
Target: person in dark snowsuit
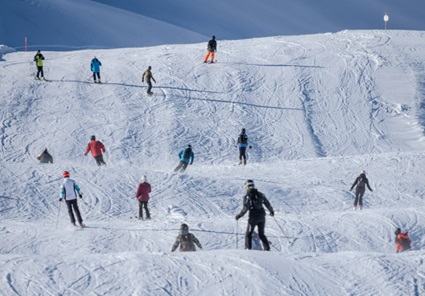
(361, 182)
(95, 67)
(45, 157)
(402, 241)
(211, 50)
(242, 144)
(186, 240)
(69, 191)
(38, 59)
(186, 157)
(147, 75)
(142, 195)
(253, 202)
(96, 148)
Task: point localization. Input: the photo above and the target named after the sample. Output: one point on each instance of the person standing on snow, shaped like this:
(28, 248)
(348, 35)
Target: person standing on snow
(186, 240)
(95, 67)
(186, 157)
(69, 191)
(45, 157)
(253, 202)
(242, 144)
(402, 241)
(361, 182)
(142, 195)
(211, 50)
(147, 75)
(96, 148)
(38, 59)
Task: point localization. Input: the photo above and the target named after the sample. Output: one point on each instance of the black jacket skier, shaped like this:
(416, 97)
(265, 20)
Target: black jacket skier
(186, 240)
(253, 202)
(361, 182)
(45, 157)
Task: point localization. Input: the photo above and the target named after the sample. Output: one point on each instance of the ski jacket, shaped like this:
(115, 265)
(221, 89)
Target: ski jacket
(253, 202)
(212, 45)
(95, 65)
(186, 160)
(143, 191)
(361, 181)
(96, 148)
(39, 59)
(69, 189)
(45, 157)
(240, 143)
(148, 76)
(187, 243)
(402, 242)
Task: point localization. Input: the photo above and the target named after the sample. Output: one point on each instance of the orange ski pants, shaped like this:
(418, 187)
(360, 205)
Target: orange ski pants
(212, 53)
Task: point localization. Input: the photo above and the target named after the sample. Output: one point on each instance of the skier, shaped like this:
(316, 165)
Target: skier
(211, 50)
(361, 182)
(96, 148)
(95, 67)
(402, 241)
(45, 157)
(253, 202)
(69, 191)
(142, 195)
(38, 59)
(242, 144)
(186, 157)
(186, 240)
(148, 77)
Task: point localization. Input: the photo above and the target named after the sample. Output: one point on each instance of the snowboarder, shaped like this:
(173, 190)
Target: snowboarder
(45, 157)
(186, 157)
(95, 67)
(142, 195)
(211, 50)
(402, 241)
(69, 191)
(186, 240)
(38, 59)
(96, 148)
(148, 77)
(242, 144)
(361, 182)
(253, 202)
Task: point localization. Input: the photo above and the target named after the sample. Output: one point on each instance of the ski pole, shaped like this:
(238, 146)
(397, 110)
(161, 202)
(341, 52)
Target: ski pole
(57, 219)
(284, 234)
(237, 230)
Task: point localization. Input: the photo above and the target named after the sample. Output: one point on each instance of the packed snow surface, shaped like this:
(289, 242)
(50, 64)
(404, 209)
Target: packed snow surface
(318, 109)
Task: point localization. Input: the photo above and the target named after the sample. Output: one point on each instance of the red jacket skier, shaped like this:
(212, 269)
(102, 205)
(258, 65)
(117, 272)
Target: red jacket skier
(96, 148)
(142, 195)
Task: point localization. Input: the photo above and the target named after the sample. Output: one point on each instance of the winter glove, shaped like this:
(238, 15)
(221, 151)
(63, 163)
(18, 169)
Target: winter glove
(238, 217)
(81, 195)
(272, 213)
(191, 163)
(250, 146)
(85, 154)
(60, 199)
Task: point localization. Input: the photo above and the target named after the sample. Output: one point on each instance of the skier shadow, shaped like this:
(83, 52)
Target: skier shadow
(277, 65)
(239, 103)
(191, 90)
(90, 82)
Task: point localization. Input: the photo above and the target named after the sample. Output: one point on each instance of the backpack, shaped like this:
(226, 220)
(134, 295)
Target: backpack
(186, 243)
(255, 199)
(243, 139)
(187, 153)
(362, 181)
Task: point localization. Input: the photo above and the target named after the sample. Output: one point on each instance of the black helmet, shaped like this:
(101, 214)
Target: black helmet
(184, 229)
(249, 183)
(189, 146)
(398, 230)
(93, 138)
(243, 130)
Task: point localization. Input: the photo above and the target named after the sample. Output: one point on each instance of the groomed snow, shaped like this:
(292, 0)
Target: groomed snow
(317, 108)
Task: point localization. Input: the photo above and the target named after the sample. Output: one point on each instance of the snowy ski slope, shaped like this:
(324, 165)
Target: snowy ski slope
(318, 109)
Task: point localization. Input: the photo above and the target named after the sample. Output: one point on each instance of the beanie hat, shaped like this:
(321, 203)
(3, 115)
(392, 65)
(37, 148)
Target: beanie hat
(144, 179)
(93, 138)
(66, 174)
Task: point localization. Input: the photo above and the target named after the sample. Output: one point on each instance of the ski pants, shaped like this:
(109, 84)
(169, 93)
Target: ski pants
(149, 90)
(261, 224)
(72, 204)
(212, 53)
(182, 166)
(242, 154)
(96, 74)
(99, 160)
(144, 204)
(359, 196)
(40, 71)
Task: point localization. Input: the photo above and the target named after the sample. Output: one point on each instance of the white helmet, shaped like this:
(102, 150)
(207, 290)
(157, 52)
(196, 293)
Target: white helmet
(143, 179)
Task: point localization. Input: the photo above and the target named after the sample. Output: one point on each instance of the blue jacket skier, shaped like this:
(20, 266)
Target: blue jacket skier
(95, 67)
(186, 157)
(242, 144)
